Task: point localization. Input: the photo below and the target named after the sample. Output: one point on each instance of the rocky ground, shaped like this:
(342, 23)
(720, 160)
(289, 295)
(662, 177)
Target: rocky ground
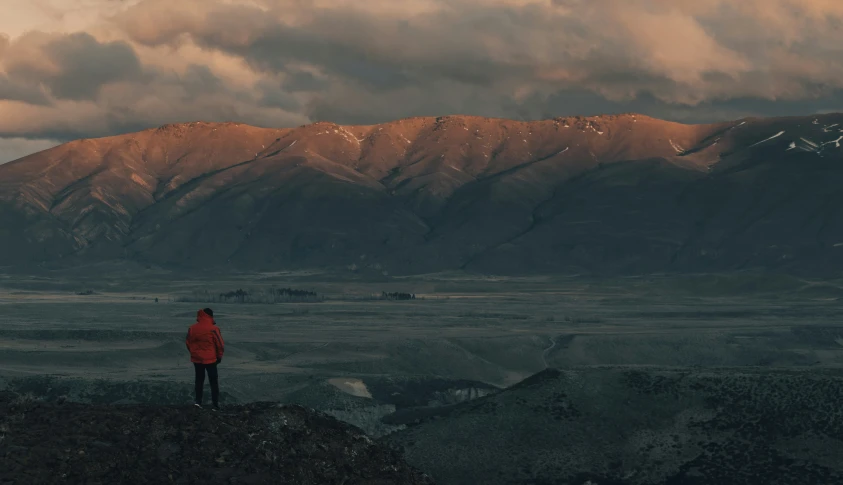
(639, 426)
(44, 443)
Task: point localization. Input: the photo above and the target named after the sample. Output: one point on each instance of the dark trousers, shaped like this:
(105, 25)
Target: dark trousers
(213, 377)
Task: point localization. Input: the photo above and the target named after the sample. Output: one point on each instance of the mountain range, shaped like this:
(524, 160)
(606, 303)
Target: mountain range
(619, 194)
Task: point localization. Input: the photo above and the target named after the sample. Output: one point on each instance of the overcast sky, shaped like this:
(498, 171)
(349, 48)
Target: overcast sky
(87, 68)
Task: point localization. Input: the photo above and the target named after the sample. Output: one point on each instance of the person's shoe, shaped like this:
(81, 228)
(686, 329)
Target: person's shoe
(216, 407)
(197, 405)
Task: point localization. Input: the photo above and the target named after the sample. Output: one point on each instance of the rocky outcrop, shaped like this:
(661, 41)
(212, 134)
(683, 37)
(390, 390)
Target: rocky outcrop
(258, 443)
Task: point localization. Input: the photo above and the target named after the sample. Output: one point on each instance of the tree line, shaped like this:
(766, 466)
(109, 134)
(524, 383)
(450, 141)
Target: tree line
(271, 295)
(397, 296)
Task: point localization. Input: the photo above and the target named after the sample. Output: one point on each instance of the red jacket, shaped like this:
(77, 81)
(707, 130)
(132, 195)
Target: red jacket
(204, 340)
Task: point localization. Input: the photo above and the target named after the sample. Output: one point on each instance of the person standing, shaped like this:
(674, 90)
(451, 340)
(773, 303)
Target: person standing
(206, 347)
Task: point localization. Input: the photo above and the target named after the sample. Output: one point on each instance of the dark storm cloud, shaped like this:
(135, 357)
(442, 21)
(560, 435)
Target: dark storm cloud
(63, 87)
(273, 93)
(85, 65)
(75, 66)
(501, 47)
(285, 62)
(17, 91)
(303, 81)
(199, 79)
(347, 43)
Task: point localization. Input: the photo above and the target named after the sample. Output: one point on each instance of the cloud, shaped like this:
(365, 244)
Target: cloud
(287, 62)
(670, 50)
(67, 86)
(18, 91)
(85, 65)
(73, 66)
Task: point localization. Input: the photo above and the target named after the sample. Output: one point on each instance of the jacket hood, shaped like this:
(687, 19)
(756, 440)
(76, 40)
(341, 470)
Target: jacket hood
(204, 318)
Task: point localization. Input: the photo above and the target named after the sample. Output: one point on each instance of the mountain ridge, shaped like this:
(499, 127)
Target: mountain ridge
(410, 195)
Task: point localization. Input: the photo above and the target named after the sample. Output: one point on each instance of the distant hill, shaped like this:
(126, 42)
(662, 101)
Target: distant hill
(639, 426)
(608, 194)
